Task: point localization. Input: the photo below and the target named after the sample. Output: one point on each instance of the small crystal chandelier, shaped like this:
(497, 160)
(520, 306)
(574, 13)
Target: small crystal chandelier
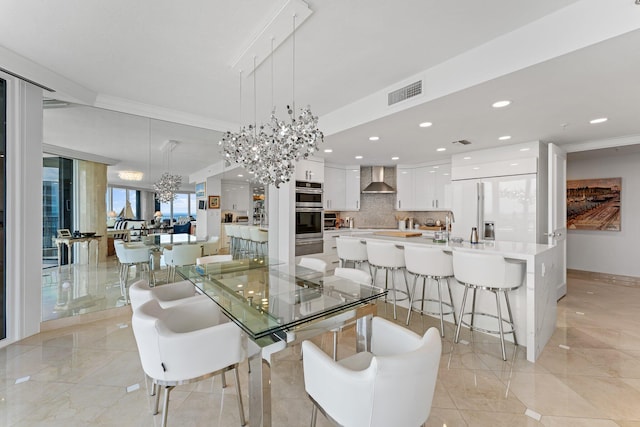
(168, 184)
(269, 152)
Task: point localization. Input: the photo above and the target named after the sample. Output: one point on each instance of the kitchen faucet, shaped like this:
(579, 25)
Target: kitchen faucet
(448, 220)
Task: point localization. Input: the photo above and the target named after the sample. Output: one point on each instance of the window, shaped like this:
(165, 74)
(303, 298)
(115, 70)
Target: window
(117, 199)
(184, 205)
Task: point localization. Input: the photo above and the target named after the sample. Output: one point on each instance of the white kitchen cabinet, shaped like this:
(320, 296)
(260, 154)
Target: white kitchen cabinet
(310, 170)
(352, 188)
(424, 188)
(404, 188)
(442, 193)
(236, 196)
(342, 188)
(334, 188)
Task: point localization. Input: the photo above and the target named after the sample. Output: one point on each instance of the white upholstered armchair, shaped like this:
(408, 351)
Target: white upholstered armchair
(391, 386)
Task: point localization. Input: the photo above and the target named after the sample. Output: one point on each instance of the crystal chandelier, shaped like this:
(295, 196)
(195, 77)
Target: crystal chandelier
(168, 184)
(269, 152)
(167, 187)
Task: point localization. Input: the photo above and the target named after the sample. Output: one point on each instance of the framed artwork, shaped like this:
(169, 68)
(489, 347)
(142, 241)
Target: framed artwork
(594, 204)
(214, 202)
(201, 189)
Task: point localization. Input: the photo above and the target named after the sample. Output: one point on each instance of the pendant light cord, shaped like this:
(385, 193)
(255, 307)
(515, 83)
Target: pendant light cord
(255, 122)
(293, 74)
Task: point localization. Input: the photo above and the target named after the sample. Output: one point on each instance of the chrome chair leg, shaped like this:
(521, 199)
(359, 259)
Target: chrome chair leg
(500, 326)
(314, 415)
(157, 399)
(464, 301)
(243, 421)
(165, 405)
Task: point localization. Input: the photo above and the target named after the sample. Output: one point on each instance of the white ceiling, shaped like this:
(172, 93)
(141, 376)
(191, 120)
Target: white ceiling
(561, 62)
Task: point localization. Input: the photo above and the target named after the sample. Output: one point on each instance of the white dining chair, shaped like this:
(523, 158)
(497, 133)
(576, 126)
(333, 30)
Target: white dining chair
(167, 295)
(131, 256)
(187, 343)
(393, 385)
(180, 255)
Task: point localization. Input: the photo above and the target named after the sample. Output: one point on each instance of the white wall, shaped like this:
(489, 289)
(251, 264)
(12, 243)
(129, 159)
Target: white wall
(608, 251)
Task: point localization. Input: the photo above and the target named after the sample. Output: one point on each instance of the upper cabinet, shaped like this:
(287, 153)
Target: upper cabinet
(352, 188)
(310, 170)
(342, 188)
(236, 196)
(405, 189)
(424, 188)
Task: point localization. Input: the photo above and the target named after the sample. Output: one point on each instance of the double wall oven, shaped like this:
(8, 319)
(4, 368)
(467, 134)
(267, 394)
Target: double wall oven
(309, 218)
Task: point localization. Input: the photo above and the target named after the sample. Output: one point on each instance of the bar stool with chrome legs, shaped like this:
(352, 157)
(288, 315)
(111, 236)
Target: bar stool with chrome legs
(389, 257)
(351, 249)
(491, 273)
(433, 264)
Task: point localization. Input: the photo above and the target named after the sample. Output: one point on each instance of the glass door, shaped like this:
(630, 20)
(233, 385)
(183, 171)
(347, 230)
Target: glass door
(57, 206)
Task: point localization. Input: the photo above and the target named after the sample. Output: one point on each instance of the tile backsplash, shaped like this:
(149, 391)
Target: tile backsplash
(377, 210)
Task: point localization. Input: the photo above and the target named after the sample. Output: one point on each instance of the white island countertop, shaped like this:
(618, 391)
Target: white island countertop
(534, 304)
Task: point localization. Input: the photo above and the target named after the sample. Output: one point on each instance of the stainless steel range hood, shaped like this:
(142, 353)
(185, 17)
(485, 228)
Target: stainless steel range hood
(378, 186)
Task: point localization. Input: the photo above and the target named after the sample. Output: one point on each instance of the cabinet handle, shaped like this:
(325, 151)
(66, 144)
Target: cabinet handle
(357, 204)
(334, 247)
(437, 203)
(335, 262)
(399, 204)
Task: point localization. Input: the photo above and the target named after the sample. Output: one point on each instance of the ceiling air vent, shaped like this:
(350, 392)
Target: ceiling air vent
(405, 93)
(462, 142)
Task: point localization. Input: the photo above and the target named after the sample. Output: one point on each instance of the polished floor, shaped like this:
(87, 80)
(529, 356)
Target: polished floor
(588, 375)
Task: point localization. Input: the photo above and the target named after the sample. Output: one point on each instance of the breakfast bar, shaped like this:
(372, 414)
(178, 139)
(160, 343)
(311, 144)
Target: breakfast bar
(533, 305)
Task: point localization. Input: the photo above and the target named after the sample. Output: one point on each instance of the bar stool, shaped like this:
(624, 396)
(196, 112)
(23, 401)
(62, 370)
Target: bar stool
(260, 239)
(234, 232)
(352, 250)
(245, 236)
(491, 273)
(433, 264)
(389, 257)
(228, 231)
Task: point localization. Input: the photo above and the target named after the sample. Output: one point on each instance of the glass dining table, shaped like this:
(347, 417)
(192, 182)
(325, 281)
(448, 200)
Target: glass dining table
(277, 304)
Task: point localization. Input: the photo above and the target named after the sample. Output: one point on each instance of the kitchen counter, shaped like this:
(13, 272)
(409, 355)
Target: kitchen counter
(534, 304)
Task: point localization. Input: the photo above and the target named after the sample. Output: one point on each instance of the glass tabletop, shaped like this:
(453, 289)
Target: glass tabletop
(169, 239)
(267, 297)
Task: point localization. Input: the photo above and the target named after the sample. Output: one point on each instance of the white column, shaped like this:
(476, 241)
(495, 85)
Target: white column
(282, 222)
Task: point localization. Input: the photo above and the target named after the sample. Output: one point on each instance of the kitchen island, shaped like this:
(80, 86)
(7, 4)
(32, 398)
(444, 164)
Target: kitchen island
(533, 304)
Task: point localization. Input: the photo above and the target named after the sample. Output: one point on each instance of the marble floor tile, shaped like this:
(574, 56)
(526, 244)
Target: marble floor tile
(78, 375)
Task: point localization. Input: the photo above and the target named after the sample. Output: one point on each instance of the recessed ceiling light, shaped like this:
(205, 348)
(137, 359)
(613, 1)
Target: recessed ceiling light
(395, 158)
(358, 157)
(467, 158)
(374, 138)
(524, 149)
(600, 120)
(328, 150)
(504, 138)
(436, 167)
(476, 168)
(514, 164)
(425, 124)
(500, 104)
(432, 171)
(441, 149)
(446, 174)
(240, 175)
